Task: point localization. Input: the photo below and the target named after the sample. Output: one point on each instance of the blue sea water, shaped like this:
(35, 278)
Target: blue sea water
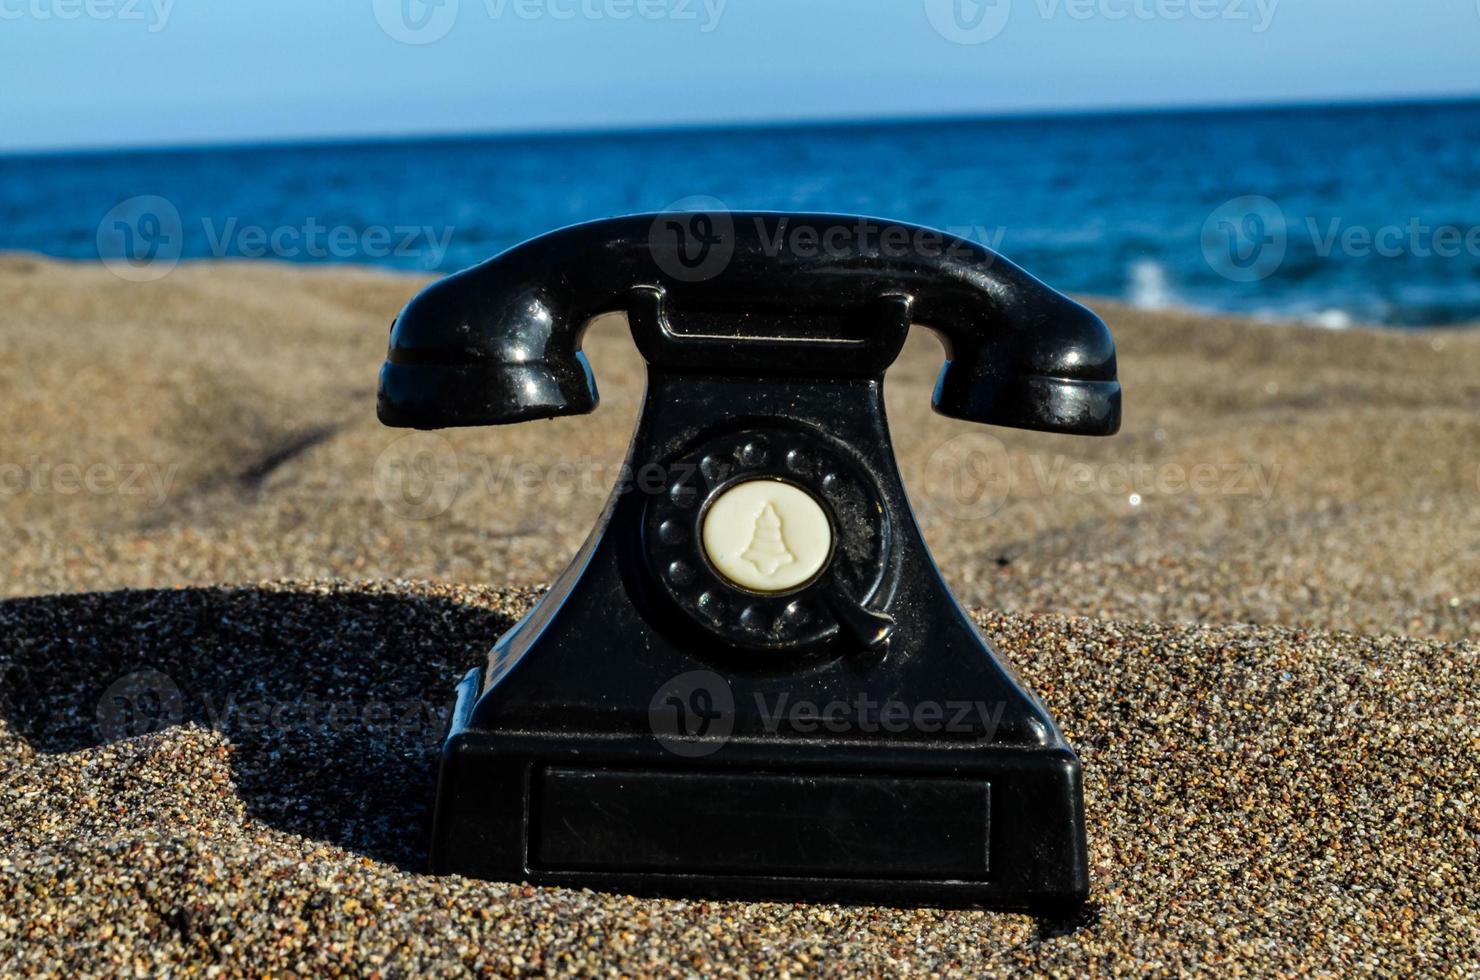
(1331, 215)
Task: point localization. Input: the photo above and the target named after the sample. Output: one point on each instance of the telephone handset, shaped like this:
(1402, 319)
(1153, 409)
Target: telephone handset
(784, 293)
(632, 731)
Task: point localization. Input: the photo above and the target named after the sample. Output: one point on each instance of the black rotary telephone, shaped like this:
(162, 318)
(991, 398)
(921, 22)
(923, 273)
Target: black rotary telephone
(752, 680)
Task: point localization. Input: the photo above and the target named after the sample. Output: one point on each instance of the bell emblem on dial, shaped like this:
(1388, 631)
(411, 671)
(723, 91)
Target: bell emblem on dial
(767, 551)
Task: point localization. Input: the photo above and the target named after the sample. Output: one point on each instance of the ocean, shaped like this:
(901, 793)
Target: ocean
(1331, 216)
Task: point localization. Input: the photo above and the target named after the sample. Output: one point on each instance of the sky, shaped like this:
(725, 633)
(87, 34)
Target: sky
(100, 73)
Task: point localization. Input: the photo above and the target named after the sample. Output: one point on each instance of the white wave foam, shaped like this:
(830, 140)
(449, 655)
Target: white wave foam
(1331, 319)
(1150, 287)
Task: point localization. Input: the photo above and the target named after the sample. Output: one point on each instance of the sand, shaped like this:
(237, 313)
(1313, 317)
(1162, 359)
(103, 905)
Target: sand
(1254, 613)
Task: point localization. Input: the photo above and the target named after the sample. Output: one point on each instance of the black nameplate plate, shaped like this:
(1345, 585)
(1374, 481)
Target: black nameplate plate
(738, 823)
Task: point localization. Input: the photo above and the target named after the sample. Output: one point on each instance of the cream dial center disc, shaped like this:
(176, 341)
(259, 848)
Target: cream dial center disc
(767, 536)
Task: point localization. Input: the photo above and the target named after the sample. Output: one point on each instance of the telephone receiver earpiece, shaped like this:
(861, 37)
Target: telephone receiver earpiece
(749, 293)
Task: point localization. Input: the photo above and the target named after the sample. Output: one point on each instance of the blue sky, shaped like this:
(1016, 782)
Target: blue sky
(115, 72)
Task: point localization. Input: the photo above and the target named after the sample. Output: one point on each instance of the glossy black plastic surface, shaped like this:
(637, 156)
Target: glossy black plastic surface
(500, 342)
(631, 731)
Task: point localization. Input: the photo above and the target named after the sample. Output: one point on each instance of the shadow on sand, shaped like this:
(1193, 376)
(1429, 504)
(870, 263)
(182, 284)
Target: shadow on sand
(334, 701)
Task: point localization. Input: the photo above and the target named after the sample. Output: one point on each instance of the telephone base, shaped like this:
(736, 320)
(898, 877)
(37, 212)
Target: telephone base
(775, 818)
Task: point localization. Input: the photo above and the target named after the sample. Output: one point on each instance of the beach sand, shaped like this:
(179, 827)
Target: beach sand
(1254, 613)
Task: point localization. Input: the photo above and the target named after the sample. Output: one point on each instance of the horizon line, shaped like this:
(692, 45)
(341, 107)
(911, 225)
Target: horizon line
(744, 124)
